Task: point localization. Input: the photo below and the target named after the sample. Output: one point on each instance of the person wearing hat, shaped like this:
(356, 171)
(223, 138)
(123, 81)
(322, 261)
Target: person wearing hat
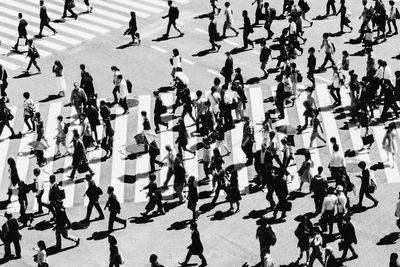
(329, 206)
(11, 234)
(341, 206)
(330, 260)
(93, 192)
(348, 238)
(248, 140)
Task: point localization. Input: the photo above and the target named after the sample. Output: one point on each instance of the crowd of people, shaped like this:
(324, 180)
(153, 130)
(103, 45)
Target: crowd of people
(212, 115)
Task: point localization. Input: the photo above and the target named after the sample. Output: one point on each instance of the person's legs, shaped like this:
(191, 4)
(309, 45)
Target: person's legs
(39, 201)
(89, 210)
(176, 28)
(41, 26)
(216, 194)
(203, 259)
(26, 120)
(332, 93)
(114, 92)
(58, 238)
(168, 28)
(111, 221)
(339, 99)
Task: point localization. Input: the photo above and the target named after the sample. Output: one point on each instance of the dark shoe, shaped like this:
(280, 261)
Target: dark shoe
(125, 222)
(100, 218)
(78, 241)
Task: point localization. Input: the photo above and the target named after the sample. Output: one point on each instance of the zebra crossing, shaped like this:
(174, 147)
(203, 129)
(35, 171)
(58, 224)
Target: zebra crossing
(107, 15)
(128, 177)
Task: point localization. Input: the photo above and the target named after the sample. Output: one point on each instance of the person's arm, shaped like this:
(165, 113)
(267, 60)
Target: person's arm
(107, 203)
(322, 45)
(320, 126)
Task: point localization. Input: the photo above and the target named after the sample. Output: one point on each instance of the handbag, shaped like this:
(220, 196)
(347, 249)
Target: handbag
(368, 139)
(10, 116)
(341, 245)
(83, 167)
(120, 259)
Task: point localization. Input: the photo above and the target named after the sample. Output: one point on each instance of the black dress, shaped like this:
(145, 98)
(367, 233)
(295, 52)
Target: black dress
(196, 248)
(193, 197)
(233, 191)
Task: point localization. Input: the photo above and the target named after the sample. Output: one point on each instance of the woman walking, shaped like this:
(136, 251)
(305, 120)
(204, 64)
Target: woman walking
(366, 181)
(41, 160)
(13, 177)
(193, 197)
(196, 248)
(316, 123)
(234, 192)
(182, 139)
(29, 111)
(305, 171)
(132, 30)
(58, 70)
(5, 118)
(344, 16)
(303, 233)
(219, 135)
(41, 256)
(108, 140)
(33, 54)
(389, 143)
(115, 256)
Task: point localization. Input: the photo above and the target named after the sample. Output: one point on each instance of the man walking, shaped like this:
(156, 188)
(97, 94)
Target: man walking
(122, 93)
(3, 82)
(265, 54)
(348, 238)
(248, 140)
(227, 70)
(11, 234)
(173, 15)
(54, 196)
(213, 33)
(79, 156)
(114, 207)
(93, 192)
(38, 188)
(228, 24)
(266, 236)
(22, 33)
(78, 99)
(329, 50)
(68, 6)
(170, 159)
(247, 29)
(62, 224)
(44, 19)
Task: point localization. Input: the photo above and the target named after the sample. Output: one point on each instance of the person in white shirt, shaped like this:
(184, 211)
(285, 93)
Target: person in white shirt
(116, 72)
(228, 101)
(329, 206)
(176, 63)
(228, 24)
(38, 188)
(292, 31)
(122, 93)
(329, 50)
(341, 206)
(336, 164)
(201, 109)
(214, 98)
(169, 160)
(29, 111)
(41, 256)
(392, 17)
(397, 212)
(337, 83)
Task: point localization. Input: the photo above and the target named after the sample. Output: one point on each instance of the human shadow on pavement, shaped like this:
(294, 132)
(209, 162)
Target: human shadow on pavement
(25, 75)
(296, 194)
(42, 226)
(99, 235)
(171, 205)
(205, 52)
(164, 89)
(389, 239)
(220, 215)
(180, 225)
(253, 80)
(53, 250)
(256, 214)
(320, 17)
(203, 16)
(142, 219)
(164, 38)
(50, 98)
(123, 46)
(336, 34)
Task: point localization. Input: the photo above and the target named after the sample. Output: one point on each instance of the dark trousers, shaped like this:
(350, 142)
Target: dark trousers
(362, 29)
(364, 191)
(158, 121)
(50, 206)
(228, 115)
(336, 173)
(318, 200)
(267, 26)
(327, 219)
(392, 105)
(123, 104)
(93, 126)
(213, 43)
(3, 88)
(219, 188)
(69, 9)
(28, 118)
(228, 78)
(153, 160)
(7, 247)
(114, 92)
(39, 201)
(86, 2)
(248, 150)
(281, 108)
(335, 93)
(45, 23)
(74, 168)
(32, 61)
(246, 40)
(172, 23)
(114, 218)
(330, 4)
(94, 203)
(270, 193)
(392, 21)
(346, 248)
(328, 57)
(62, 231)
(310, 76)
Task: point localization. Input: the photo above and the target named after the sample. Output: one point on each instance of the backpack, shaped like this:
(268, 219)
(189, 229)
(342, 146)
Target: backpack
(60, 193)
(174, 12)
(35, 53)
(129, 86)
(299, 77)
(397, 14)
(99, 191)
(272, 13)
(66, 127)
(271, 237)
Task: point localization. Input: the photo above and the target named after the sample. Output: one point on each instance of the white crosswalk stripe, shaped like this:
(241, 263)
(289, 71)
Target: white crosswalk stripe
(115, 175)
(107, 15)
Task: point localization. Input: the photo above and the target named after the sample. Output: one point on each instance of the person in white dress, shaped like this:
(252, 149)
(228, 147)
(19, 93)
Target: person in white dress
(58, 71)
(176, 63)
(389, 142)
(228, 24)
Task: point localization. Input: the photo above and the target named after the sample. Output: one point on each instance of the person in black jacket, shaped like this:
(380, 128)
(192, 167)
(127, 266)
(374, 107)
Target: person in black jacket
(62, 225)
(155, 197)
(3, 82)
(79, 156)
(265, 54)
(92, 113)
(114, 207)
(193, 197)
(348, 238)
(330, 260)
(196, 248)
(172, 16)
(105, 112)
(132, 30)
(53, 196)
(227, 70)
(213, 33)
(44, 19)
(93, 192)
(68, 6)
(365, 182)
(159, 109)
(22, 33)
(311, 63)
(247, 29)
(33, 54)
(280, 98)
(263, 164)
(11, 234)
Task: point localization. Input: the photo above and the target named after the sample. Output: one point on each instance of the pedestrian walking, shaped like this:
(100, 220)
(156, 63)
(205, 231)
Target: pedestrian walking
(88, 87)
(233, 195)
(154, 195)
(3, 83)
(265, 54)
(195, 248)
(379, 18)
(228, 24)
(115, 259)
(173, 15)
(270, 14)
(169, 159)
(44, 19)
(87, 133)
(319, 185)
(397, 212)
(227, 69)
(303, 234)
(266, 237)
(108, 140)
(330, 4)
(176, 62)
(88, 6)
(39, 153)
(93, 192)
(248, 140)
(105, 112)
(11, 234)
(159, 109)
(54, 196)
(78, 99)
(154, 261)
(132, 29)
(213, 34)
(345, 15)
(62, 223)
(305, 8)
(23, 190)
(219, 177)
(316, 247)
(122, 93)
(58, 70)
(329, 50)
(183, 137)
(179, 177)
(341, 206)
(227, 106)
(258, 14)
(393, 16)
(329, 206)
(38, 188)
(201, 110)
(348, 238)
(247, 29)
(389, 143)
(305, 171)
(41, 257)
(366, 182)
(114, 207)
(33, 54)
(282, 192)
(22, 33)
(62, 131)
(68, 6)
(311, 64)
(79, 157)
(316, 123)
(280, 98)
(29, 112)
(92, 115)
(13, 177)
(193, 197)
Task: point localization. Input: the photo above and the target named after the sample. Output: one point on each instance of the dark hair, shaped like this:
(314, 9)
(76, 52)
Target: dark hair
(119, 76)
(52, 177)
(143, 113)
(152, 177)
(320, 169)
(26, 95)
(112, 240)
(36, 171)
(362, 164)
(11, 162)
(175, 51)
(199, 93)
(41, 244)
(217, 81)
(335, 147)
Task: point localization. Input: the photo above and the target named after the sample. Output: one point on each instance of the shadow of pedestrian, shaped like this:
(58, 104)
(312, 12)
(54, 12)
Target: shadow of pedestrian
(50, 98)
(171, 205)
(389, 239)
(25, 75)
(205, 52)
(203, 16)
(127, 45)
(99, 235)
(256, 214)
(320, 17)
(141, 220)
(221, 215)
(180, 225)
(377, 166)
(253, 80)
(42, 226)
(164, 89)
(296, 194)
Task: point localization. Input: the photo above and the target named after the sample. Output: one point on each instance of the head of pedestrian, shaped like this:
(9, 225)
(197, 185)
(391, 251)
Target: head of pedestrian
(227, 53)
(114, 68)
(153, 258)
(362, 165)
(133, 15)
(396, 73)
(179, 155)
(347, 217)
(191, 179)
(20, 15)
(391, 2)
(331, 190)
(110, 190)
(325, 35)
(284, 141)
(246, 119)
(393, 258)
(271, 135)
(76, 85)
(169, 3)
(335, 68)
(168, 147)
(119, 77)
(339, 189)
(41, 245)
(227, 4)
(333, 140)
(112, 240)
(328, 250)
(88, 177)
(238, 71)
(316, 230)
(175, 52)
(36, 172)
(364, 2)
(60, 118)
(143, 113)
(75, 134)
(193, 226)
(199, 93)
(244, 13)
(320, 170)
(263, 42)
(29, 42)
(307, 155)
(52, 179)
(152, 177)
(41, 2)
(335, 147)
(8, 214)
(26, 95)
(311, 50)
